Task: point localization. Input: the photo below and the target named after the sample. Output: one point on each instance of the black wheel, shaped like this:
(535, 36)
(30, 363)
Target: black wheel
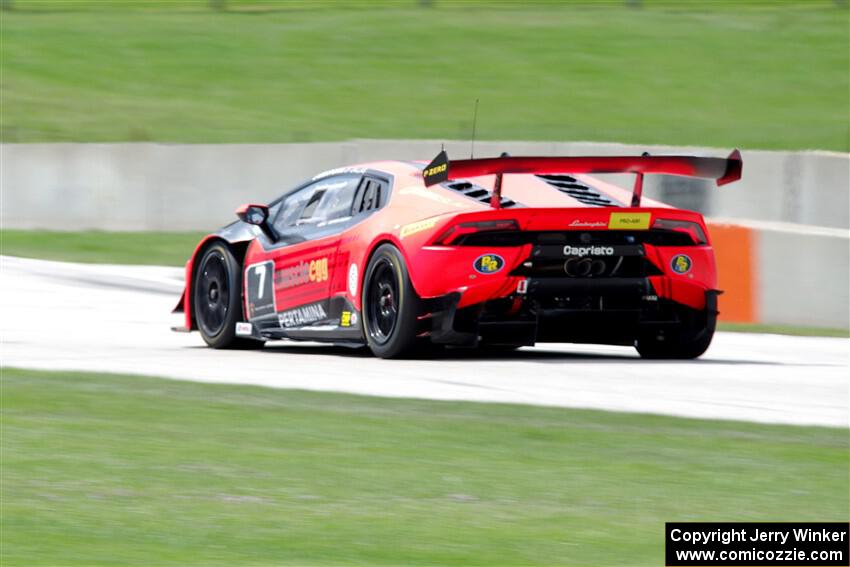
(217, 298)
(390, 305)
(685, 344)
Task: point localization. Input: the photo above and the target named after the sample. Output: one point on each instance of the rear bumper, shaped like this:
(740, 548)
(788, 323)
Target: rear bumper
(614, 311)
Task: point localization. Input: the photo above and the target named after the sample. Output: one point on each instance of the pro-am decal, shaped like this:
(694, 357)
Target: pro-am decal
(629, 221)
(681, 264)
(259, 288)
(304, 315)
(488, 264)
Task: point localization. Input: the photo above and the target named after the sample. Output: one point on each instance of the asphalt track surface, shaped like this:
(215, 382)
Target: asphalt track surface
(117, 319)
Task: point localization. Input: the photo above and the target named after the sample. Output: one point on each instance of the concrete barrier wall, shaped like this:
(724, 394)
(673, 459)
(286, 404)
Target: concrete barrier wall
(196, 187)
(779, 273)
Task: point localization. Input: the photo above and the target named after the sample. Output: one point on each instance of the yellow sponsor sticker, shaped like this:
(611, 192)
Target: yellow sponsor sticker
(345, 320)
(629, 221)
(435, 170)
(413, 228)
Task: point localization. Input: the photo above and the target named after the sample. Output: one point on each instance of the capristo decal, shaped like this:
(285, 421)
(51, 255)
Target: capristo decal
(588, 250)
(301, 273)
(302, 315)
(681, 264)
(488, 264)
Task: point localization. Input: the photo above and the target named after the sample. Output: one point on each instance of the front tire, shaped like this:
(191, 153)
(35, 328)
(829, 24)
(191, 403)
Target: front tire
(217, 297)
(390, 305)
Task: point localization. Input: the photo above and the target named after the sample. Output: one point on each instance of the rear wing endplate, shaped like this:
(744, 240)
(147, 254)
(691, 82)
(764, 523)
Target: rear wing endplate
(722, 170)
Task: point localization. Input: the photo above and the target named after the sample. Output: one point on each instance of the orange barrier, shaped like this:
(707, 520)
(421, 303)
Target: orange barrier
(736, 251)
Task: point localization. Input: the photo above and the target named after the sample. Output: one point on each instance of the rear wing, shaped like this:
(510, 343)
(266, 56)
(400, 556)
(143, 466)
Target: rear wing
(723, 170)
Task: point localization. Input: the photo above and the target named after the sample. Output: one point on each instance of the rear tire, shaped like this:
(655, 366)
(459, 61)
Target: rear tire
(217, 299)
(686, 344)
(390, 305)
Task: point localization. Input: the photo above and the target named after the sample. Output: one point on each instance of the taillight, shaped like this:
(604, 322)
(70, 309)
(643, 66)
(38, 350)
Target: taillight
(454, 232)
(693, 229)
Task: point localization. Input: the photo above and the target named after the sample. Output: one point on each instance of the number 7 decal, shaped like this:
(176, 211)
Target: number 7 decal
(259, 290)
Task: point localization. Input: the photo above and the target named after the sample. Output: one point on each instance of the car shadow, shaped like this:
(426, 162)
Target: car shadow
(538, 354)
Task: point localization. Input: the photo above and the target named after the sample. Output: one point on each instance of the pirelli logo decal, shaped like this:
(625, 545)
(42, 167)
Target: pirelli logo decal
(415, 227)
(629, 221)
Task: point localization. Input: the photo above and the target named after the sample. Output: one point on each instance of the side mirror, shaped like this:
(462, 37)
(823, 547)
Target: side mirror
(257, 215)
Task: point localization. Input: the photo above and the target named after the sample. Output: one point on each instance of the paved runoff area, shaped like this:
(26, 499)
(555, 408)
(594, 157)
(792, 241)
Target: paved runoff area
(60, 316)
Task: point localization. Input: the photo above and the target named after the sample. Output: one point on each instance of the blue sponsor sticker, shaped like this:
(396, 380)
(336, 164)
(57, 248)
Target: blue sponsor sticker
(681, 264)
(489, 264)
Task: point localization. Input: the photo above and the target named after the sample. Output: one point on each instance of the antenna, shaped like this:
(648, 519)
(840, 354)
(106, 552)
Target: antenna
(474, 120)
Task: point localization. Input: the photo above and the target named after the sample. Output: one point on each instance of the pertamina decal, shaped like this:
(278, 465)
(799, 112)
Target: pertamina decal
(488, 264)
(681, 264)
(629, 221)
(301, 316)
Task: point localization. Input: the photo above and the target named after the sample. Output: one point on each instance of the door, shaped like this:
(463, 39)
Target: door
(294, 277)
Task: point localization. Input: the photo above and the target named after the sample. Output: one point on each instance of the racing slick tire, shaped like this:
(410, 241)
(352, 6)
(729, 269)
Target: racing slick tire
(684, 345)
(390, 305)
(217, 299)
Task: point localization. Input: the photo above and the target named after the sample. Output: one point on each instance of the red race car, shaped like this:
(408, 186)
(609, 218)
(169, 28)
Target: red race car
(502, 252)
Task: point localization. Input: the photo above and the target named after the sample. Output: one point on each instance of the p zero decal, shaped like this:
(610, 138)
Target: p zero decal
(488, 264)
(437, 171)
(259, 290)
(629, 221)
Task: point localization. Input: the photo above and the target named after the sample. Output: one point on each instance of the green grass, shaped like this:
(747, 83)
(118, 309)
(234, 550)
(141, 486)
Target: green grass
(154, 248)
(760, 75)
(784, 330)
(105, 469)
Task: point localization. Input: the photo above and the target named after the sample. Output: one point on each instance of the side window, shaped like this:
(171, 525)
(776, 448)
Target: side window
(319, 202)
(371, 195)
